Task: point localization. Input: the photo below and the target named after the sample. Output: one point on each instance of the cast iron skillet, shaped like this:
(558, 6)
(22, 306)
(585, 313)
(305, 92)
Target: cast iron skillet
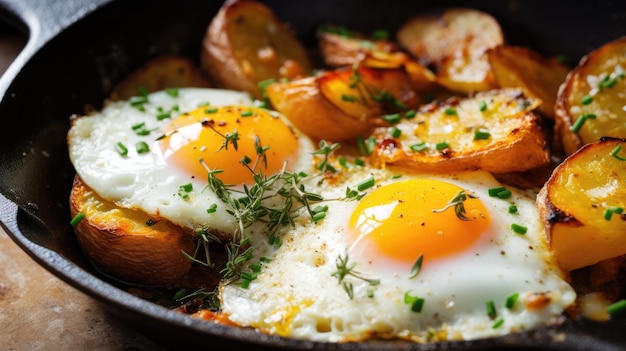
(77, 50)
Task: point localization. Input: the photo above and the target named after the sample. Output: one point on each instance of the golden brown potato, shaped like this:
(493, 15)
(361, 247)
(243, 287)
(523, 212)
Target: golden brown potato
(582, 205)
(342, 104)
(520, 67)
(161, 73)
(454, 41)
(591, 103)
(342, 50)
(128, 244)
(246, 44)
(494, 131)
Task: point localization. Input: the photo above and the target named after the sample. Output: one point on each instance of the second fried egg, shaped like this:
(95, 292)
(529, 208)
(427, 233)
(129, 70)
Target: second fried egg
(421, 256)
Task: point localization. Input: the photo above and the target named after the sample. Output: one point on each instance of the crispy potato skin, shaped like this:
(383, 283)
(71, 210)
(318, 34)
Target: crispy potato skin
(454, 41)
(317, 105)
(520, 67)
(161, 73)
(517, 141)
(246, 44)
(122, 245)
(572, 204)
(339, 50)
(607, 105)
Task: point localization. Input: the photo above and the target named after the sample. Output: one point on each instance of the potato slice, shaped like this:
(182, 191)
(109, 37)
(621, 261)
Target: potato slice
(454, 41)
(520, 67)
(128, 244)
(593, 88)
(573, 205)
(346, 50)
(342, 104)
(246, 44)
(495, 131)
(161, 73)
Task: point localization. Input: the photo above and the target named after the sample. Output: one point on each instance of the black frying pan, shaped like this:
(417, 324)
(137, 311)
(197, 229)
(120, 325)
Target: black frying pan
(77, 50)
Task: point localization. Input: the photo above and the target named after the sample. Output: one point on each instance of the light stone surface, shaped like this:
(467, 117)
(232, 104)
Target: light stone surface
(40, 312)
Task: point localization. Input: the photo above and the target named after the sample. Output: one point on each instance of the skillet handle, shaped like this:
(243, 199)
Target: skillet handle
(40, 20)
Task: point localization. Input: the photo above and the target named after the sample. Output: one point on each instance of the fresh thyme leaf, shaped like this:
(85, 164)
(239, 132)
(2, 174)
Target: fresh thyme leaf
(417, 267)
(325, 150)
(345, 269)
(457, 201)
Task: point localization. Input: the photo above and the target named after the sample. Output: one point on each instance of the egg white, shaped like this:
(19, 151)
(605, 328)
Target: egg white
(145, 181)
(296, 294)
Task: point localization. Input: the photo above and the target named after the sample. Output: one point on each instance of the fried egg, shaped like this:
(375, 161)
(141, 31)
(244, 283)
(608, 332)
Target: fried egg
(423, 257)
(154, 152)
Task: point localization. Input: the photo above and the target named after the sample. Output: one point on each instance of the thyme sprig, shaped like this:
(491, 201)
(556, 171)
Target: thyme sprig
(275, 200)
(457, 202)
(345, 269)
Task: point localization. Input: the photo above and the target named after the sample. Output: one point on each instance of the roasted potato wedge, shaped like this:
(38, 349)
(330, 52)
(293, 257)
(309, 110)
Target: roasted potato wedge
(340, 50)
(520, 67)
(582, 205)
(590, 103)
(345, 103)
(161, 73)
(128, 244)
(454, 41)
(246, 44)
(494, 131)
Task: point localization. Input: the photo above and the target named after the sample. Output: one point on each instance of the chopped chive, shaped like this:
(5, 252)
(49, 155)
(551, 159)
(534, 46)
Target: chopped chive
(494, 191)
(587, 99)
(512, 209)
(396, 176)
(248, 276)
(380, 34)
(580, 121)
(497, 323)
(491, 309)
(184, 190)
(342, 161)
(370, 293)
(481, 135)
(519, 229)
(264, 84)
(212, 208)
(77, 219)
(360, 143)
(142, 147)
(417, 303)
(482, 106)
(210, 110)
(410, 114)
(140, 129)
(442, 145)
(616, 307)
(511, 300)
(392, 118)
(417, 267)
(245, 284)
(506, 194)
(608, 82)
(121, 148)
(419, 147)
(204, 104)
(247, 113)
(366, 184)
(396, 132)
(359, 162)
(450, 111)
(608, 213)
(616, 151)
(371, 145)
(255, 267)
(173, 92)
(348, 98)
(318, 217)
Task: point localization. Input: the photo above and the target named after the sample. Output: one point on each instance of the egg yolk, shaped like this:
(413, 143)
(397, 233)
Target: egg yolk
(223, 136)
(406, 219)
